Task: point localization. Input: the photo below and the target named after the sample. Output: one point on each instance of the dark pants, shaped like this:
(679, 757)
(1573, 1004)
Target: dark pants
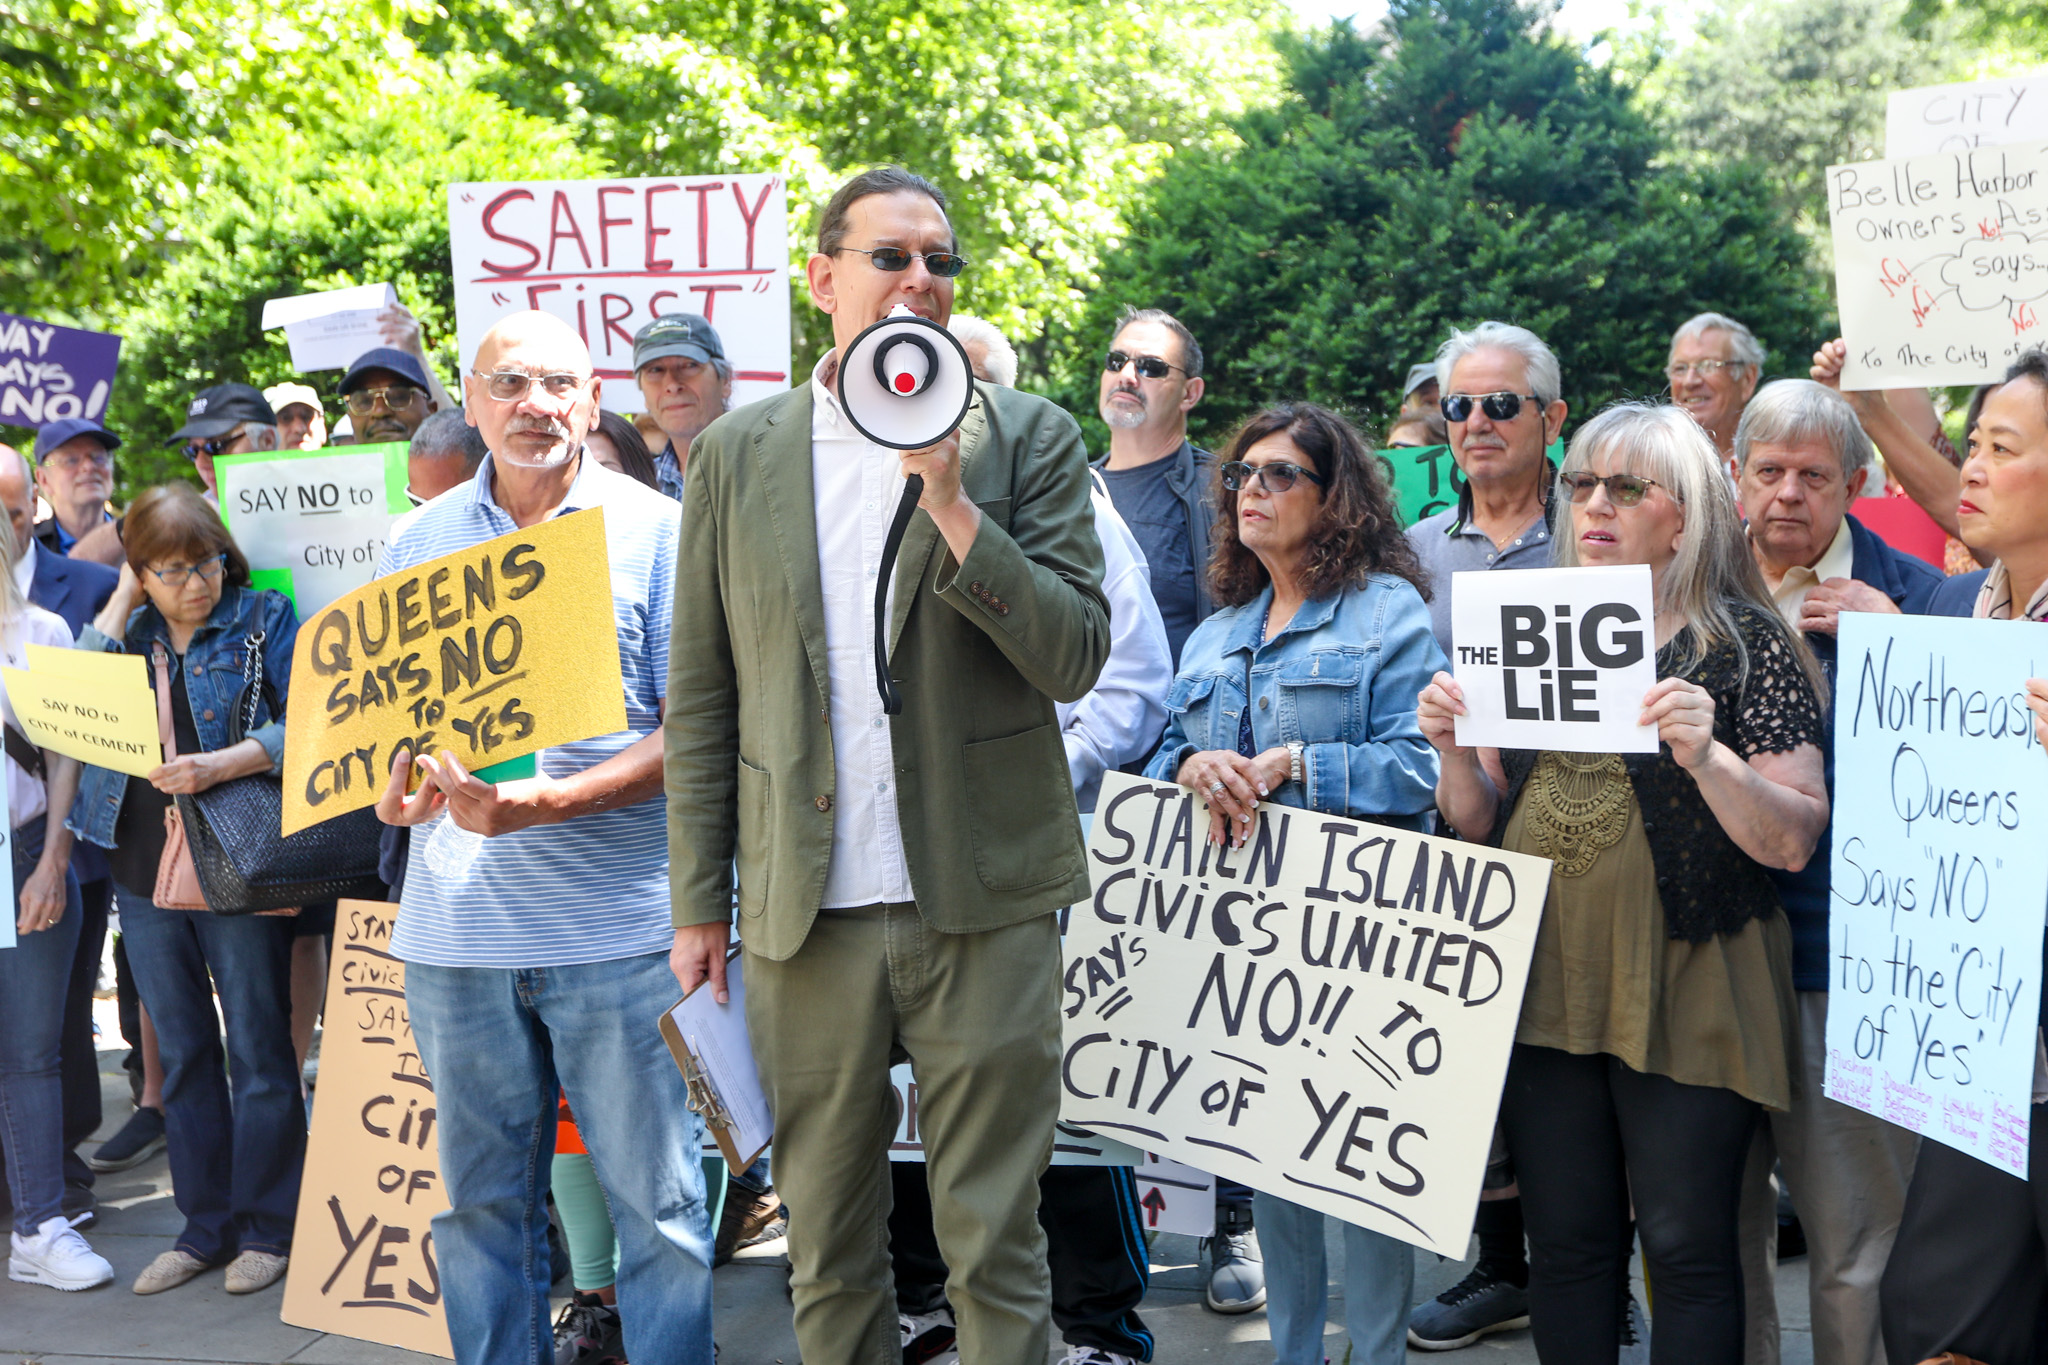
(1587, 1133)
(81, 1060)
(1969, 1271)
(235, 1121)
(128, 1005)
(1095, 1248)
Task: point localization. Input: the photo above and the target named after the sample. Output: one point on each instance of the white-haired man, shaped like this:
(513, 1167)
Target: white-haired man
(1713, 369)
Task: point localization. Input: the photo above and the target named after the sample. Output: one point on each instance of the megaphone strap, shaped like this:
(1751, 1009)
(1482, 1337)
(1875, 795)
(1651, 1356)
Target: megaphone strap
(913, 489)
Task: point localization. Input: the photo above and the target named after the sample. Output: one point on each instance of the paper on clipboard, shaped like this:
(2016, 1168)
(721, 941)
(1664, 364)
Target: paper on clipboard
(328, 330)
(710, 1044)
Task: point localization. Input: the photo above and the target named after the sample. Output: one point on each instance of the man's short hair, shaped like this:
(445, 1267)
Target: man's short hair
(1748, 350)
(1546, 378)
(1001, 356)
(447, 435)
(875, 180)
(1190, 349)
(1795, 411)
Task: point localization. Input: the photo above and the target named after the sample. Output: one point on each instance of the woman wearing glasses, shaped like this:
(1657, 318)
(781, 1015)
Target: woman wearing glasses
(236, 1124)
(1298, 691)
(1657, 1021)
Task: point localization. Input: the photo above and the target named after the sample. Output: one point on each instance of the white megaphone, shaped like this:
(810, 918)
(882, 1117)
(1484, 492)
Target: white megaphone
(905, 382)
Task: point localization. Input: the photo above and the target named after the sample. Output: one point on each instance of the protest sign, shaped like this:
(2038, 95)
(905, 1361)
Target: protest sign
(328, 330)
(1555, 658)
(364, 1263)
(94, 707)
(1425, 479)
(1941, 263)
(493, 652)
(1937, 884)
(1175, 1198)
(1324, 1014)
(49, 373)
(1955, 118)
(609, 256)
(313, 522)
(1071, 1146)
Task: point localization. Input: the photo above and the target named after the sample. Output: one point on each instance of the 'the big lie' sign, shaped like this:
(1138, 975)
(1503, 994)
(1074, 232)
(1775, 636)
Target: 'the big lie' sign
(1555, 658)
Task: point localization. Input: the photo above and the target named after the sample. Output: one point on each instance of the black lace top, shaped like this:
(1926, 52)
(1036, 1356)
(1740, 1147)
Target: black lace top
(1708, 885)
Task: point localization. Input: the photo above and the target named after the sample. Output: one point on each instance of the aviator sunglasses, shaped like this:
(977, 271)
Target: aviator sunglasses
(944, 264)
(1623, 490)
(1501, 407)
(1147, 366)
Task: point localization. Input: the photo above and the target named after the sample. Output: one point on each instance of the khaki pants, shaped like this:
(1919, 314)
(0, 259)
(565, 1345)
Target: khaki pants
(976, 1015)
(1848, 1173)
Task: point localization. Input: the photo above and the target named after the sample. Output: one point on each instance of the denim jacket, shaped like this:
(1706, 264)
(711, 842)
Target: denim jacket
(213, 678)
(1342, 678)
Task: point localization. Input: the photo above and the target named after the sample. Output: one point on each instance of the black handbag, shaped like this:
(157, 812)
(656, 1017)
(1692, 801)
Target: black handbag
(244, 863)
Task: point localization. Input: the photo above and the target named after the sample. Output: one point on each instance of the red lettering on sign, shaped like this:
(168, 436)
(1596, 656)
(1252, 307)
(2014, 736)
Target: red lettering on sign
(556, 215)
(491, 212)
(605, 224)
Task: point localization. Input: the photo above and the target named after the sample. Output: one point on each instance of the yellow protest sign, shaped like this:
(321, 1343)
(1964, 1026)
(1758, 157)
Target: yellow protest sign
(493, 652)
(364, 1262)
(90, 706)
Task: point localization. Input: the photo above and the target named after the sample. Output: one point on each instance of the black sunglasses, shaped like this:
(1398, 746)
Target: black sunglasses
(944, 264)
(1278, 477)
(1501, 407)
(1147, 366)
(1624, 490)
(194, 449)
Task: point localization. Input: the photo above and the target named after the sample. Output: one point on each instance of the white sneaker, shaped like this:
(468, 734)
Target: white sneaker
(1094, 1355)
(58, 1257)
(928, 1338)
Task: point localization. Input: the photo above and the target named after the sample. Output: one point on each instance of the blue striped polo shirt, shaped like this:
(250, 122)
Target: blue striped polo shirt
(591, 889)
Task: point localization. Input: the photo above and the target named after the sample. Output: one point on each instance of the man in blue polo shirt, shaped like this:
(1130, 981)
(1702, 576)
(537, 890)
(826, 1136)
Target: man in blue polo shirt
(536, 928)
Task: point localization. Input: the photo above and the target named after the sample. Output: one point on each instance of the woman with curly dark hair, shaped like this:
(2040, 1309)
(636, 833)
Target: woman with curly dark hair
(1301, 689)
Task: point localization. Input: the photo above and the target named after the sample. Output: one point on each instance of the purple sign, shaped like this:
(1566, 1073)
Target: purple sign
(49, 373)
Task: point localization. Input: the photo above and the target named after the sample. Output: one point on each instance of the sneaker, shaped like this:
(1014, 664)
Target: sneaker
(141, 1138)
(928, 1338)
(1482, 1302)
(749, 1219)
(254, 1270)
(168, 1271)
(1237, 1272)
(587, 1331)
(58, 1257)
(1093, 1355)
(1635, 1334)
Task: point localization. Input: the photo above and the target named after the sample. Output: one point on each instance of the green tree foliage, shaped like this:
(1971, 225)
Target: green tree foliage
(1458, 165)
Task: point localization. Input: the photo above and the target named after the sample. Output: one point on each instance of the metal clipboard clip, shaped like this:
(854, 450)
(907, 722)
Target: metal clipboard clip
(703, 1096)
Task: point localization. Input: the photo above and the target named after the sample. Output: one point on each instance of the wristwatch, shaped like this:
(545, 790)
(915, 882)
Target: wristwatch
(1294, 752)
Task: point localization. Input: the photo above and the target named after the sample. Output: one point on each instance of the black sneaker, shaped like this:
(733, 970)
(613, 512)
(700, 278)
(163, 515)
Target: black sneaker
(141, 1138)
(587, 1331)
(1482, 1302)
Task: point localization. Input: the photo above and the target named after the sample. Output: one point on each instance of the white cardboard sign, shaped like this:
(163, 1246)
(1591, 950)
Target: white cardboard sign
(1955, 118)
(1071, 1146)
(1324, 1014)
(1941, 264)
(1936, 904)
(1173, 1197)
(610, 256)
(328, 330)
(320, 517)
(1555, 658)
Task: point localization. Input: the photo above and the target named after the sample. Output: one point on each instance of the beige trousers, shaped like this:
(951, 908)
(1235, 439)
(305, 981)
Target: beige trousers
(976, 1016)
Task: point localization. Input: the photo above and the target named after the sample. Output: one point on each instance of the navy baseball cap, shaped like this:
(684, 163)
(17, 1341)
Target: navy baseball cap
(57, 433)
(684, 334)
(219, 410)
(401, 363)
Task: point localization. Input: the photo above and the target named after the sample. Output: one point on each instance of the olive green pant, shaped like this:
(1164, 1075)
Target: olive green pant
(976, 1016)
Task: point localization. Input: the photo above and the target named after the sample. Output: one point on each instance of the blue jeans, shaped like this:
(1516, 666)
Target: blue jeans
(1379, 1279)
(33, 977)
(493, 1039)
(235, 1121)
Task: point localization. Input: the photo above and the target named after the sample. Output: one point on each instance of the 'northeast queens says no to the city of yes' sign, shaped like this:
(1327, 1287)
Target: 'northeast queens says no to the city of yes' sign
(491, 653)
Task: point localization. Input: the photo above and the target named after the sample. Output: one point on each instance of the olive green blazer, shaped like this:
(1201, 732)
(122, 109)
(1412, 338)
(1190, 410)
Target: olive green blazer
(980, 650)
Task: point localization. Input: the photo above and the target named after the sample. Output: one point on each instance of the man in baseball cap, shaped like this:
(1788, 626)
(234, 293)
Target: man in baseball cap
(680, 365)
(388, 395)
(1419, 393)
(301, 417)
(227, 419)
(75, 474)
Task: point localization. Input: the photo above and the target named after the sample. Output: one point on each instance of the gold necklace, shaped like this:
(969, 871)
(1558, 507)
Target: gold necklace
(1577, 808)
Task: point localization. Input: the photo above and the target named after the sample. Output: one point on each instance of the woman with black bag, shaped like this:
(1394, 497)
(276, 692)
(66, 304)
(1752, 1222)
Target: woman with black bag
(219, 655)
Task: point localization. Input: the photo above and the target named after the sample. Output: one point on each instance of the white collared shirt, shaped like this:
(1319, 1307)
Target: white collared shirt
(1837, 561)
(857, 484)
(25, 567)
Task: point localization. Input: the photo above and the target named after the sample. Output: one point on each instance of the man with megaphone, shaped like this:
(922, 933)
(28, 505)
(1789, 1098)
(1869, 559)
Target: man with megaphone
(903, 841)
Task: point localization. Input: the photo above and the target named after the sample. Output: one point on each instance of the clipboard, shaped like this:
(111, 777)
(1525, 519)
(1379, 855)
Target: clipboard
(711, 1048)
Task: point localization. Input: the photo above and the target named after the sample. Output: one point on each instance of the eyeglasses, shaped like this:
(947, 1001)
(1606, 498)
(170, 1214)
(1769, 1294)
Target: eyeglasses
(944, 264)
(219, 445)
(179, 574)
(1147, 366)
(1277, 477)
(396, 398)
(101, 458)
(1623, 490)
(1501, 407)
(509, 386)
(1705, 369)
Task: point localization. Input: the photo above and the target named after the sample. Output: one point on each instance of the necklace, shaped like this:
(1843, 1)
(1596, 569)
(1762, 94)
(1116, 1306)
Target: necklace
(1577, 808)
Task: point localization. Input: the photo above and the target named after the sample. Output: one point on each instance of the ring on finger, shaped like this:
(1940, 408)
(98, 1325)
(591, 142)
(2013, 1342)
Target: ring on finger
(1216, 787)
